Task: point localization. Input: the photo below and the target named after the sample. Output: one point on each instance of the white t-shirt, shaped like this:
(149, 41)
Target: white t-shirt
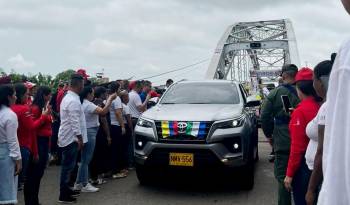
(90, 115)
(116, 104)
(312, 133)
(8, 131)
(126, 112)
(134, 102)
(336, 146)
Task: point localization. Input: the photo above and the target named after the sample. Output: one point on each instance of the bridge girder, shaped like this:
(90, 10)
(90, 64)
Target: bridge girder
(253, 46)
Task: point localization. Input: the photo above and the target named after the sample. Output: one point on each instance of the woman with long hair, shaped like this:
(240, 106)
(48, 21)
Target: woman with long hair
(43, 135)
(315, 131)
(26, 133)
(10, 155)
(92, 113)
(298, 174)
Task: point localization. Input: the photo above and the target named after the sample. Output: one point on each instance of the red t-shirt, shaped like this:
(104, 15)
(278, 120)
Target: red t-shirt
(45, 129)
(302, 115)
(153, 94)
(60, 95)
(27, 127)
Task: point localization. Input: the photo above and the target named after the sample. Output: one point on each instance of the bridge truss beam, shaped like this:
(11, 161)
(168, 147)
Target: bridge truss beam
(253, 46)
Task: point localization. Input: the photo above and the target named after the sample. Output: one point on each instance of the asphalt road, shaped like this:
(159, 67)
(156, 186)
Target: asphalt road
(128, 191)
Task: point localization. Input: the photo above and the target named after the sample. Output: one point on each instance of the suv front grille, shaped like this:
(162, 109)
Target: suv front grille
(182, 131)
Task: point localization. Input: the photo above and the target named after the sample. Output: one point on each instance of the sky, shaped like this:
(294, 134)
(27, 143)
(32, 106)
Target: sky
(138, 38)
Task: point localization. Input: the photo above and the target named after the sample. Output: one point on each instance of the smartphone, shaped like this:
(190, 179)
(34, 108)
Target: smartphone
(286, 103)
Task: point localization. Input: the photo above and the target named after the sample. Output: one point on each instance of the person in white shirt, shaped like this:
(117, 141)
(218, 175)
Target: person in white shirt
(71, 136)
(10, 154)
(135, 104)
(92, 113)
(129, 144)
(315, 131)
(336, 156)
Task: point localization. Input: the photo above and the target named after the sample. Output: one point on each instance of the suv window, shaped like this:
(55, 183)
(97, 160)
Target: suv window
(202, 93)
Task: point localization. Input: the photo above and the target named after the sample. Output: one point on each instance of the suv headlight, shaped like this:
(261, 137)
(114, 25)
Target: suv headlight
(144, 123)
(237, 122)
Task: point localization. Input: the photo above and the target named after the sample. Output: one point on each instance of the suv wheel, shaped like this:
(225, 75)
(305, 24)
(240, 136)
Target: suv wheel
(247, 174)
(144, 175)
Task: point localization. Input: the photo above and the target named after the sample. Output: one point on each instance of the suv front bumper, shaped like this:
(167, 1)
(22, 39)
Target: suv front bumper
(217, 151)
(205, 155)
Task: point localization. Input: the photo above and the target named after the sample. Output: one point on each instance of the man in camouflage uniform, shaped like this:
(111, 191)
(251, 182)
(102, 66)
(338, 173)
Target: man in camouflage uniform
(275, 123)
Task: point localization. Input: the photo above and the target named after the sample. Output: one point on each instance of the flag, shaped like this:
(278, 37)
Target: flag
(171, 128)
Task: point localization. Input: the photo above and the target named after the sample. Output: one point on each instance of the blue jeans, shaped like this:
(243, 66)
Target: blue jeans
(86, 156)
(25, 153)
(301, 183)
(69, 159)
(8, 181)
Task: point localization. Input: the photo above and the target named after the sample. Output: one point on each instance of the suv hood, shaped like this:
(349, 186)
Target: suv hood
(193, 112)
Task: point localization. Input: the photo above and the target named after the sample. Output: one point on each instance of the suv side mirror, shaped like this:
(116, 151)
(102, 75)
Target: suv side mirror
(253, 103)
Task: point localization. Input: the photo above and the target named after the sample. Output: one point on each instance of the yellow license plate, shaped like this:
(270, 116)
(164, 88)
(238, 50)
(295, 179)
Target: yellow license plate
(181, 159)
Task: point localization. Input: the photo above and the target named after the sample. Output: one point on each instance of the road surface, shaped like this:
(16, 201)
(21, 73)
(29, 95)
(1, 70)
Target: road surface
(128, 191)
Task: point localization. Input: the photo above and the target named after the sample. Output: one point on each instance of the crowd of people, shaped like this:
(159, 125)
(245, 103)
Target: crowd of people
(311, 138)
(87, 129)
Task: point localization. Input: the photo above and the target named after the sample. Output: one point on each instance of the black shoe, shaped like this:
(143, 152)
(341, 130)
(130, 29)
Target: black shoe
(74, 194)
(67, 200)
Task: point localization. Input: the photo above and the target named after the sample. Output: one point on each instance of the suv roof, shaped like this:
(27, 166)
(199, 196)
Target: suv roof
(207, 81)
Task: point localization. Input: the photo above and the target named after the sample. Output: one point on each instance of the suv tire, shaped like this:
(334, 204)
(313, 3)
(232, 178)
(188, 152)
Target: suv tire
(144, 175)
(247, 180)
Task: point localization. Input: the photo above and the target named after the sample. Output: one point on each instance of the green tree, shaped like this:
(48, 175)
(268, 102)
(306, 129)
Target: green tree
(63, 76)
(16, 77)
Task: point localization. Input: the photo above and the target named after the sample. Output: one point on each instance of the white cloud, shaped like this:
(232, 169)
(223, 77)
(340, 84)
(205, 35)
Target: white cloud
(142, 38)
(105, 48)
(19, 63)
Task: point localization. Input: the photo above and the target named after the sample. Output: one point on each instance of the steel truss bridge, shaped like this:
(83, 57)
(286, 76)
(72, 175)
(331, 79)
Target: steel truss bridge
(251, 50)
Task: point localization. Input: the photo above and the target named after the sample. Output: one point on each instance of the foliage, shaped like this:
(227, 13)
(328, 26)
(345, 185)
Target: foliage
(63, 76)
(40, 79)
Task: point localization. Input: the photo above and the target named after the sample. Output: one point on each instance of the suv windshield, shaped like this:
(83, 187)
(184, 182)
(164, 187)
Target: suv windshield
(202, 93)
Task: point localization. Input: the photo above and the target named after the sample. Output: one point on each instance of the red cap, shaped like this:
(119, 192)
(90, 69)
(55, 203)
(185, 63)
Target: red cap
(29, 85)
(304, 74)
(82, 72)
(154, 94)
(132, 85)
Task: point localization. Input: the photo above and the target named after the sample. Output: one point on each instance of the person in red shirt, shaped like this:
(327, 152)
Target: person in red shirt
(26, 129)
(298, 174)
(60, 94)
(35, 171)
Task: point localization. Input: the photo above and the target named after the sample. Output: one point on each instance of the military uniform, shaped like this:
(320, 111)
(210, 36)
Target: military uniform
(275, 123)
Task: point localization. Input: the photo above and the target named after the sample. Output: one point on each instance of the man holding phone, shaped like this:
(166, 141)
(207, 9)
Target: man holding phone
(275, 120)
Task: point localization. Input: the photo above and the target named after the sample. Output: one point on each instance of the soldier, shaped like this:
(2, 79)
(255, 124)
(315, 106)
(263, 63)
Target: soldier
(275, 121)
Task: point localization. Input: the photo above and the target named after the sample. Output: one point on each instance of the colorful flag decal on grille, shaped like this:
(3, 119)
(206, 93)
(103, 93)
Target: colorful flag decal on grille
(173, 128)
